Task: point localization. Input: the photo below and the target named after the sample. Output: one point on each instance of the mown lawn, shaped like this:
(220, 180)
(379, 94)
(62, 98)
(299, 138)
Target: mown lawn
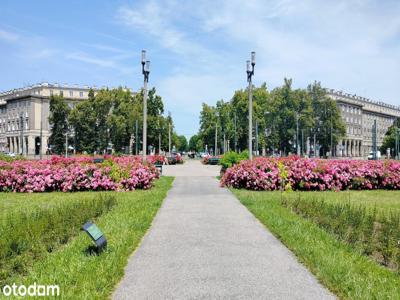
(80, 274)
(384, 201)
(11, 203)
(340, 267)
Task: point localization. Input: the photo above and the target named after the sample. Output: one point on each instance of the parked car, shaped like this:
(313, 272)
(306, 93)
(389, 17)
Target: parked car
(204, 154)
(11, 154)
(371, 155)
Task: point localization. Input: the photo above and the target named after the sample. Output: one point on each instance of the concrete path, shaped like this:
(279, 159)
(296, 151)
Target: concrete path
(204, 244)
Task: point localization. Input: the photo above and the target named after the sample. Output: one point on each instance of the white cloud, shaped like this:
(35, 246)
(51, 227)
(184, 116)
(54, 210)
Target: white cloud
(158, 19)
(86, 58)
(351, 45)
(111, 62)
(8, 36)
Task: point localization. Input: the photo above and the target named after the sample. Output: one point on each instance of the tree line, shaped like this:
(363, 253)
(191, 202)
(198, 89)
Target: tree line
(281, 117)
(111, 119)
(392, 139)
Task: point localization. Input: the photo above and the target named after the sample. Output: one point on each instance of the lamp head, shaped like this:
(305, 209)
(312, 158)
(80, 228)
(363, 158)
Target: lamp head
(143, 57)
(147, 69)
(253, 58)
(248, 66)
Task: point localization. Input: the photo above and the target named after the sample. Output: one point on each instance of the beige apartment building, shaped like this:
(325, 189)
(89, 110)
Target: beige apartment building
(359, 114)
(24, 115)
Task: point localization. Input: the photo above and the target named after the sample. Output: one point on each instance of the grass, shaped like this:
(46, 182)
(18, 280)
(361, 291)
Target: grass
(12, 203)
(384, 201)
(29, 235)
(79, 274)
(343, 270)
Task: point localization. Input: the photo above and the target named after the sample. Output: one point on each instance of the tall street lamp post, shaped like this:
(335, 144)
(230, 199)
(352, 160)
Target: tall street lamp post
(331, 134)
(250, 73)
(145, 72)
(235, 134)
(216, 136)
(374, 147)
(256, 140)
(397, 142)
(169, 133)
(22, 133)
(268, 132)
(41, 127)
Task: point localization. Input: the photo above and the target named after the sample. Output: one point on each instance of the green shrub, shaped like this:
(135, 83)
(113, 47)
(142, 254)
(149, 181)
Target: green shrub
(231, 158)
(27, 236)
(375, 235)
(9, 158)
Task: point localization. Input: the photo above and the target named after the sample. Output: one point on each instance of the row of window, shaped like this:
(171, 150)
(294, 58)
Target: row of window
(12, 126)
(13, 116)
(353, 120)
(378, 131)
(15, 104)
(351, 109)
(71, 93)
(386, 120)
(353, 130)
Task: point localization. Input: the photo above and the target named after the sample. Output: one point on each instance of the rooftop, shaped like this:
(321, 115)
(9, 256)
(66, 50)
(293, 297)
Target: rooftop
(359, 98)
(35, 88)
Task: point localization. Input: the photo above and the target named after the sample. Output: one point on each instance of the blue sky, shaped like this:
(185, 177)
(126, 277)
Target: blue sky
(198, 49)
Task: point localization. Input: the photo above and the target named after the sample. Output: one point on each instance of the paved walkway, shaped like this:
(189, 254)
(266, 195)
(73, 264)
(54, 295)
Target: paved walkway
(204, 244)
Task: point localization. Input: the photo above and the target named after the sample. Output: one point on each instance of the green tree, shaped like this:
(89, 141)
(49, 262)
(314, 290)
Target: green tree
(182, 143)
(389, 141)
(199, 145)
(121, 119)
(58, 120)
(193, 142)
(275, 118)
(328, 123)
(208, 123)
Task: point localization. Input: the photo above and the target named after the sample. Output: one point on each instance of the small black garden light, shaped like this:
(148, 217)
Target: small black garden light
(95, 234)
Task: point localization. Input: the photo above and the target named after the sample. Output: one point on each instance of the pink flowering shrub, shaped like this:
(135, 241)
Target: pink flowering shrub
(313, 174)
(76, 174)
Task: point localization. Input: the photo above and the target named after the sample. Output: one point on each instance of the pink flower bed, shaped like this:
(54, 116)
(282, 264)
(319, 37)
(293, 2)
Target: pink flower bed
(313, 174)
(76, 174)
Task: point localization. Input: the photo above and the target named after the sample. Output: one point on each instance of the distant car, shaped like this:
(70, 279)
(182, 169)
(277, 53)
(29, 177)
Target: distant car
(371, 155)
(11, 154)
(204, 154)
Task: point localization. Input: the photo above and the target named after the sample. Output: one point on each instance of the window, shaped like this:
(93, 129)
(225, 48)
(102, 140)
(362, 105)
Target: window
(81, 94)
(71, 93)
(51, 92)
(61, 93)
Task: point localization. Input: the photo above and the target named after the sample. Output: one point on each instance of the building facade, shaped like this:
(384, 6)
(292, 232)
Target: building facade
(24, 115)
(359, 114)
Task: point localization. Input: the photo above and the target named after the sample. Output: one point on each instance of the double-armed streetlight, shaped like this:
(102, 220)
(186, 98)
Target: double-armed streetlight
(250, 73)
(216, 134)
(397, 143)
(145, 72)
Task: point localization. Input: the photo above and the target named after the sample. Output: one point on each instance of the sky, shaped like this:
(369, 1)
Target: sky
(198, 49)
